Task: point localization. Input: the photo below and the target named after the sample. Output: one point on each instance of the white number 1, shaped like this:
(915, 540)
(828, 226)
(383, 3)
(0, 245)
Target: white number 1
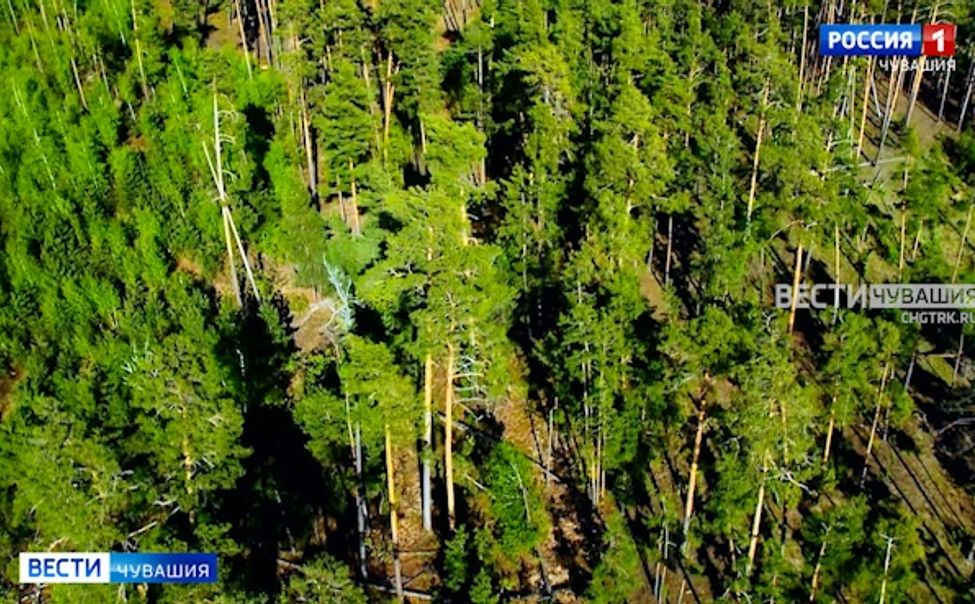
(939, 37)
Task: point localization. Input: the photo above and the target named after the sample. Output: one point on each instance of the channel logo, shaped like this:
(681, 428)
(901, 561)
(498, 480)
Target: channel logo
(117, 568)
(938, 40)
(851, 40)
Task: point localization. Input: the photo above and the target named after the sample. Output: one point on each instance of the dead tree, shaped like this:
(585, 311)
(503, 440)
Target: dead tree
(215, 163)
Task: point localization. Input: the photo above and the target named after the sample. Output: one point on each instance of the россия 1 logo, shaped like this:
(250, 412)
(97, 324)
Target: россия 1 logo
(930, 40)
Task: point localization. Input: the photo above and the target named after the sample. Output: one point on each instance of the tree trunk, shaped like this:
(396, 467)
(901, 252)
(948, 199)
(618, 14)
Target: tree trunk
(234, 281)
(964, 242)
(758, 153)
(958, 356)
(802, 56)
(829, 431)
(243, 38)
(653, 244)
(138, 52)
(819, 565)
(243, 256)
(866, 98)
(355, 446)
(670, 247)
(836, 271)
(967, 97)
(695, 456)
(883, 584)
(917, 240)
(448, 435)
(393, 519)
(757, 519)
(427, 441)
(944, 95)
(306, 134)
(873, 426)
(13, 17)
(910, 370)
(388, 90)
(893, 87)
(77, 81)
(550, 443)
(900, 262)
(354, 210)
(795, 288)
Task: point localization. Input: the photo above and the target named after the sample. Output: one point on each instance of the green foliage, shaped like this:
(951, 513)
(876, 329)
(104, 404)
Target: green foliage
(455, 560)
(515, 502)
(583, 205)
(322, 581)
(618, 574)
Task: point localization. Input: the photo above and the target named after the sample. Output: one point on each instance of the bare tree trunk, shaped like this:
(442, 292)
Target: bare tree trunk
(944, 95)
(893, 88)
(964, 243)
(795, 288)
(829, 430)
(910, 370)
(819, 565)
(264, 30)
(967, 97)
(758, 152)
(306, 134)
(836, 271)
(550, 442)
(427, 440)
(388, 91)
(802, 56)
(695, 456)
(243, 256)
(13, 17)
(243, 38)
(958, 356)
(138, 52)
(355, 444)
(653, 245)
(883, 584)
(917, 240)
(235, 282)
(354, 210)
(215, 164)
(77, 81)
(448, 435)
(670, 247)
(480, 110)
(393, 516)
(866, 97)
(873, 426)
(919, 73)
(757, 519)
(900, 262)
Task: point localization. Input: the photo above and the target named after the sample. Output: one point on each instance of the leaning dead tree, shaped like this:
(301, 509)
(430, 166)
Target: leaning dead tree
(215, 161)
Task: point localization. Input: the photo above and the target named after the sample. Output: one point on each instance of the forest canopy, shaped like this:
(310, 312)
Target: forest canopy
(473, 301)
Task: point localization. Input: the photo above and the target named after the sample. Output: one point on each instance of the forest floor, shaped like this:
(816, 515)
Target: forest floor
(528, 431)
(912, 475)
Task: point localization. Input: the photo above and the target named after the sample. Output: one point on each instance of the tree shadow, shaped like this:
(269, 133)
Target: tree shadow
(273, 508)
